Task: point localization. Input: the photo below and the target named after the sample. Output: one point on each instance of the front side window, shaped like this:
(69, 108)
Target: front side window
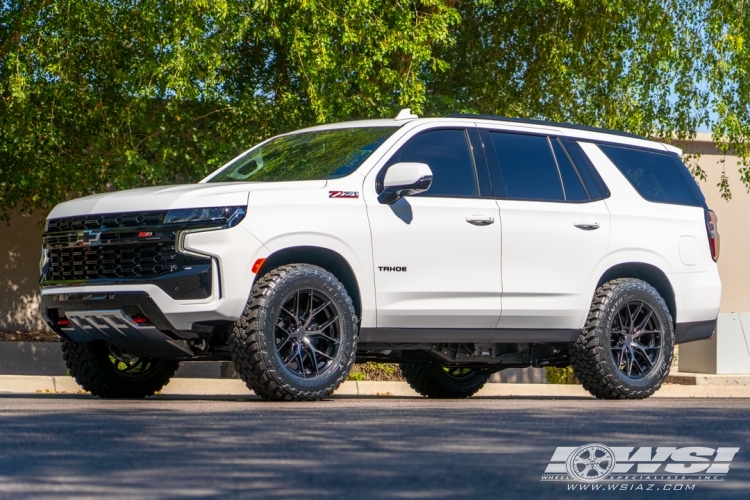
(325, 154)
(447, 153)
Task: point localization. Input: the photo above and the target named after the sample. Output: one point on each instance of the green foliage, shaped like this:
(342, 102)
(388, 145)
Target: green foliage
(382, 372)
(560, 375)
(110, 94)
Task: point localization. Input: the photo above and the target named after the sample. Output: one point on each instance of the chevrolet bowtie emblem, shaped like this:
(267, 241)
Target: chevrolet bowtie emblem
(87, 238)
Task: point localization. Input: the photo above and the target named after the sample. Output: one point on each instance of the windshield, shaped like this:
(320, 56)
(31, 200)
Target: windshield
(326, 154)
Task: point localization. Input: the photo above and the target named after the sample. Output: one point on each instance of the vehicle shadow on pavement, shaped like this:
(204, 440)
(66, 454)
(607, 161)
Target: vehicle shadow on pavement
(71, 445)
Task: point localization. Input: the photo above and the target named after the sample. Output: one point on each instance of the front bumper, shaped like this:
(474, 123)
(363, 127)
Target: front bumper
(108, 316)
(232, 252)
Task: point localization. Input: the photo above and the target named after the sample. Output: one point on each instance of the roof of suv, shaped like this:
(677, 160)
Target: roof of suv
(580, 131)
(548, 123)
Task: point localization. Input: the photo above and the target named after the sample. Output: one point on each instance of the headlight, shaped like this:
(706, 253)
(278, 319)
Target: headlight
(223, 216)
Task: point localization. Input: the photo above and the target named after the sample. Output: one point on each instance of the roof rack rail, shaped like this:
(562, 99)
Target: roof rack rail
(543, 122)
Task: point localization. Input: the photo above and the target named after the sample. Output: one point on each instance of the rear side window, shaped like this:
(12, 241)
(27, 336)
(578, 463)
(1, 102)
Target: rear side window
(656, 176)
(529, 169)
(574, 190)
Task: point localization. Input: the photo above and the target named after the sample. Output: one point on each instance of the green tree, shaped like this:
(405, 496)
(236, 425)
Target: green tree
(110, 94)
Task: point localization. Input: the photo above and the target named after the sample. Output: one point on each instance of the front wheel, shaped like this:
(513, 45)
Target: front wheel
(626, 348)
(436, 381)
(297, 338)
(109, 372)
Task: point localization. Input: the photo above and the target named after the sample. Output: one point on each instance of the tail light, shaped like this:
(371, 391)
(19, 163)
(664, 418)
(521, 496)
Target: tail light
(712, 228)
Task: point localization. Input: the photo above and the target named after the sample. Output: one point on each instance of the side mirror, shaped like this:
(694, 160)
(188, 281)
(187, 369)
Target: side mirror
(403, 179)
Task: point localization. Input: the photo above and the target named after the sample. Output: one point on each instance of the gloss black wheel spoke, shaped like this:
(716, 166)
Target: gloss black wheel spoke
(636, 339)
(320, 309)
(320, 334)
(314, 359)
(308, 344)
(284, 342)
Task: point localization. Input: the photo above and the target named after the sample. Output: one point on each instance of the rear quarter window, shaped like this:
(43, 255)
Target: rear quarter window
(658, 177)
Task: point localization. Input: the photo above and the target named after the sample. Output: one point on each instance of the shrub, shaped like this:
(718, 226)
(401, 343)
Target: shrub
(560, 375)
(382, 372)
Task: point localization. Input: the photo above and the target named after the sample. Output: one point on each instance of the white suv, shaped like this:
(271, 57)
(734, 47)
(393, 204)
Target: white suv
(456, 246)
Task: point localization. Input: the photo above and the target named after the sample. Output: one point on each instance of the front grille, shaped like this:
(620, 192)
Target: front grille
(133, 245)
(131, 260)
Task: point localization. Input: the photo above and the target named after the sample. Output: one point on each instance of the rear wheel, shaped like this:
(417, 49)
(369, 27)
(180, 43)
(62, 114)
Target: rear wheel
(433, 380)
(626, 348)
(109, 372)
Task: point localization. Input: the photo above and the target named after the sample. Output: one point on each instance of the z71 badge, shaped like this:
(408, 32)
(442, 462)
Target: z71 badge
(343, 194)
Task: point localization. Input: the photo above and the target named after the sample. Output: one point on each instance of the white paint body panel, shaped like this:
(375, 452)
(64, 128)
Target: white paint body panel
(548, 262)
(532, 268)
(451, 282)
(650, 233)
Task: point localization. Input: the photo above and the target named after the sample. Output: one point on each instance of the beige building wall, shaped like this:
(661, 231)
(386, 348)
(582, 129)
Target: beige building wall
(20, 252)
(734, 222)
(20, 246)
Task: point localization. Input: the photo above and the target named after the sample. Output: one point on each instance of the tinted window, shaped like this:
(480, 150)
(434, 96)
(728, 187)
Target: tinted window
(574, 190)
(449, 157)
(529, 169)
(591, 179)
(656, 176)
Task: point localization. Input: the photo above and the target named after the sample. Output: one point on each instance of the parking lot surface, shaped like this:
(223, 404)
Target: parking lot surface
(76, 446)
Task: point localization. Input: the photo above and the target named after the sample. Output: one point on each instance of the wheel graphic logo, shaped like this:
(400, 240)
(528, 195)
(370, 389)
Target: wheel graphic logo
(591, 462)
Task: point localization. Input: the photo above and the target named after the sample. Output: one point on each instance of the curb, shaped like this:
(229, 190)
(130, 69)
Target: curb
(703, 379)
(15, 384)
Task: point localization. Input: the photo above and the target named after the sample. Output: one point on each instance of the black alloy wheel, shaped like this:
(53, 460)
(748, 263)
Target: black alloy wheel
(626, 348)
(109, 372)
(434, 380)
(308, 333)
(297, 337)
(129, 366)
(636, 337)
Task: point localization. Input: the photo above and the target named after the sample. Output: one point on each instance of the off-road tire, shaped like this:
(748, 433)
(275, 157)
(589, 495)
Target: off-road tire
(92, 368)
(252, 340)
(431, 380)
(591, 355)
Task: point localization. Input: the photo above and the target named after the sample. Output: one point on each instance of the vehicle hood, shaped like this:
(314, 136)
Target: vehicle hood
(224, 194)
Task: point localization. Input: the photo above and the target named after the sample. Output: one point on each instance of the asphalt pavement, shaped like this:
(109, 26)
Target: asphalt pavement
(76, 446)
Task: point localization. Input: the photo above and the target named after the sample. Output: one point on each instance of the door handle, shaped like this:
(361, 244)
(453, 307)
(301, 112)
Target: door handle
(586, 226)
(480, 220)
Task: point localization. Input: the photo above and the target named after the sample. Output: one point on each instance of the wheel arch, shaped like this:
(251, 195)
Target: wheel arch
(329, 260)
(648, 273)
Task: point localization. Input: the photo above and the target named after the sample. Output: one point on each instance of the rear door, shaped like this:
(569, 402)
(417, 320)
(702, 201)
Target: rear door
(555, 228)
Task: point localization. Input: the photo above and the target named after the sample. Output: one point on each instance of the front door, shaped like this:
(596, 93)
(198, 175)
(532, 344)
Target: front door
(437, 254)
